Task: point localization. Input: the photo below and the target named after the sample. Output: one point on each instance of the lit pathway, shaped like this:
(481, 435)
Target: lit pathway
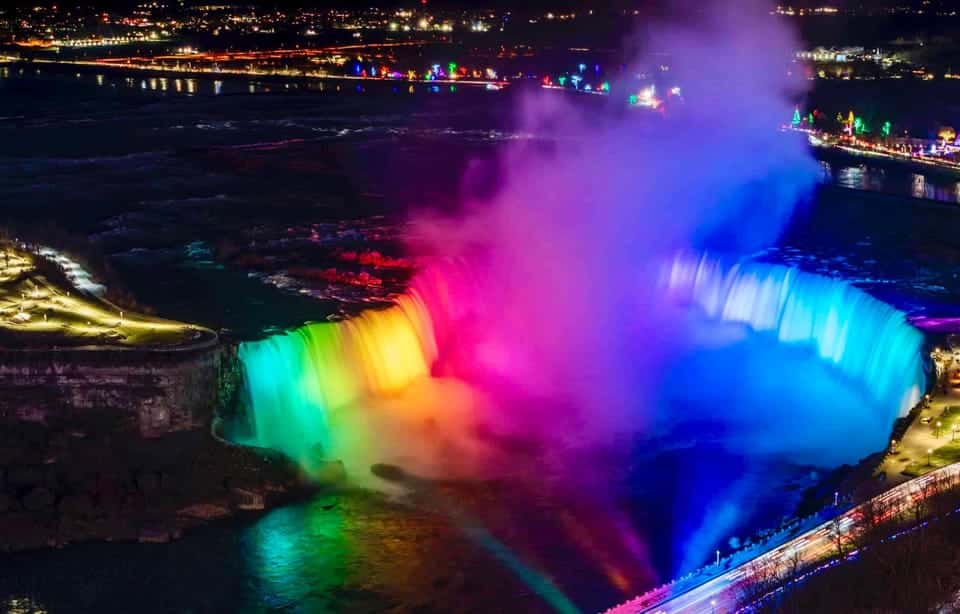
(724, 593)
(920, 437)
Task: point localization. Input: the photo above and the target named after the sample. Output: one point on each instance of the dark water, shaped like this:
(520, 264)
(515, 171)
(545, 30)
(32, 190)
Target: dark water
(221, 207)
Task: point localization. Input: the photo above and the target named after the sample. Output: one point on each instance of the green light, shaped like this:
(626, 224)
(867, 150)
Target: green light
(860, 126)
(451, 68)
(605, 87)
(562, 80)
(885, 130)
(634, 99)
(796, 117)
(810, 118)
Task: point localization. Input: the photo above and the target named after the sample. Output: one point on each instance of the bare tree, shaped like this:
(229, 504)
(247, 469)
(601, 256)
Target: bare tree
(761, 577)
(944, 495)
(839, 535)
(918, 504)
(794, 562)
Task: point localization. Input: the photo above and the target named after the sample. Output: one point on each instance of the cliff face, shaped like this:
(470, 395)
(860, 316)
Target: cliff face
(116, 444)
(151, 392)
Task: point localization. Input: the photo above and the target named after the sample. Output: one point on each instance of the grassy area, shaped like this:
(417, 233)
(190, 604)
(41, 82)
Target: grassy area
(945, 454)
(37, 309)
(950, 419)
(942, 456)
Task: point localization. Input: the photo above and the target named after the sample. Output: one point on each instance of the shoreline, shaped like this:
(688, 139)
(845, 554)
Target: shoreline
(175, 73)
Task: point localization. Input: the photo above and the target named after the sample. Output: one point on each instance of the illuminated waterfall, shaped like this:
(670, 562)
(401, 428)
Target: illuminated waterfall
(296, 379)
(305, 386)
(866, 339)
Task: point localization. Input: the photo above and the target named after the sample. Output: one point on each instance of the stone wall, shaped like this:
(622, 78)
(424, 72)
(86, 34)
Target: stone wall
(152, 392)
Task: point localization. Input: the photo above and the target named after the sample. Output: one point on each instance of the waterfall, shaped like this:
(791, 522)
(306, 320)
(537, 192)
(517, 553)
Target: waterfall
(866, 339)
(296, 379)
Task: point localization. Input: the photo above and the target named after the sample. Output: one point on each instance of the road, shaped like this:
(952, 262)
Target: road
(743, 584)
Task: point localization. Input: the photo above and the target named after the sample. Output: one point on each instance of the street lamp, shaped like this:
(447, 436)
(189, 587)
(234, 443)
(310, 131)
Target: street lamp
(929, 452)
(939, 424)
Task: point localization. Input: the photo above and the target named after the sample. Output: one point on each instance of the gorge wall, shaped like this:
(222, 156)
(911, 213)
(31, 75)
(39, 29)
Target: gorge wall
(151, 392)
(115, 444)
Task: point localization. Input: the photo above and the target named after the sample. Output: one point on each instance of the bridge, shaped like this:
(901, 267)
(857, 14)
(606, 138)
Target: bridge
(730, 585)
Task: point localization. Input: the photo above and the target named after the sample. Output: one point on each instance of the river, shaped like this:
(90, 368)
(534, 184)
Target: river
(206, 199)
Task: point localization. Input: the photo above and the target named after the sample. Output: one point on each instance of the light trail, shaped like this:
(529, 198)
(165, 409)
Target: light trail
(271, 54)
(724, 593)
(298, 74)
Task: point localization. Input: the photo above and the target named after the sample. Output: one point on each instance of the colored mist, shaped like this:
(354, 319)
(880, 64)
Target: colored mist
(355, 389)
(545, 330)
(807, 370)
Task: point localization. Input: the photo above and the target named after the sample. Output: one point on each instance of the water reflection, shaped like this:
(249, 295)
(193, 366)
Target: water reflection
(892, 181)
(363, 554)
(850, 177)
(299, 555)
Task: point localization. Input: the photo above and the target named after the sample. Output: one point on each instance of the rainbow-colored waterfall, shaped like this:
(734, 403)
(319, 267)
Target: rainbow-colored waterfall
(299, 380)
(296, 379)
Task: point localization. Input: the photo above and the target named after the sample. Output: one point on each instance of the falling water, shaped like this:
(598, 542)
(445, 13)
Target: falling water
(298, 381)
(295, 380)
(866, 339)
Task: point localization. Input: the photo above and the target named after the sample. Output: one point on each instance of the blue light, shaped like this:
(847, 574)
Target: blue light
(785, 365)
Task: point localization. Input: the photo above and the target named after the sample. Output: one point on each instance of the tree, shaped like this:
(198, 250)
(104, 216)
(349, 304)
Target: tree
(794, 560)
(761, 577)
(918, 504)
(840, 534)
(870, 516)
